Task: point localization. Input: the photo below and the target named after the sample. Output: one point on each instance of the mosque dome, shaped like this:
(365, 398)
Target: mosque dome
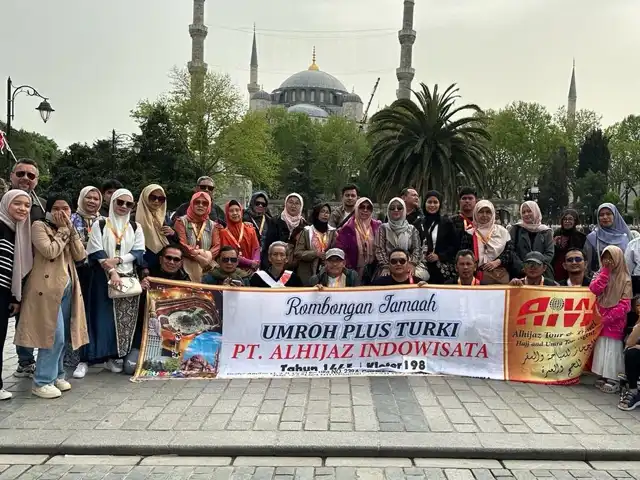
(261, 95)
(311, 110)
(313, 78)
(352, 97)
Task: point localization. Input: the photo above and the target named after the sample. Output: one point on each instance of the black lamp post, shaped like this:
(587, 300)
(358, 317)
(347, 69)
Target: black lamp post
(44, 108)
(114, 145)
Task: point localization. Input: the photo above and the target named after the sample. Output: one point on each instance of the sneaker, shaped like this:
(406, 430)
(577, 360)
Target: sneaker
(81, 370)
(4, 395)
(114, 366)
(62, 385)
(46, 391)
(25, 371)
(630, 401)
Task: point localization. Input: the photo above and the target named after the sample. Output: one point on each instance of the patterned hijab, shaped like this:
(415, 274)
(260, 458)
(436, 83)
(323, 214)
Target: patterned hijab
(88, 217)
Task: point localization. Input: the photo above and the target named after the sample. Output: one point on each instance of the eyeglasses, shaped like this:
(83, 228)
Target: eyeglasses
(208, 188)
(124, 203)
(574, 259)
(22, 173)
(229, 260)
(261, 204)
(396, 261)
(366, 207)
(201, 203)
(157, 198)
(396, 209)
(169, 258)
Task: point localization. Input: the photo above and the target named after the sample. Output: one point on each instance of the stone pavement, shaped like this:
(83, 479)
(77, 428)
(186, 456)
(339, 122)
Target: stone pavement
(304, 468)
(422, 416)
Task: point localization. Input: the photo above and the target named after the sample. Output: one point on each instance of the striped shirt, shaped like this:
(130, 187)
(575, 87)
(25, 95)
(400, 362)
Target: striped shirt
(7, 242)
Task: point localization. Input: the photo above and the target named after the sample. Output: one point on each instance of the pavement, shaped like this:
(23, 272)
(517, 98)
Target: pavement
(384, 416)
(304, 468)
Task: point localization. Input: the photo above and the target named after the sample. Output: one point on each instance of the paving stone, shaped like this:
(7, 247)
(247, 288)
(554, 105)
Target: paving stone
(9, 459)
(482, 474)
(175, 460)
(501, 472)
(278, 461)
(617, 465)
(93, 460)
(367, 462)
(456, 463)
(458, 474)
(544, 465)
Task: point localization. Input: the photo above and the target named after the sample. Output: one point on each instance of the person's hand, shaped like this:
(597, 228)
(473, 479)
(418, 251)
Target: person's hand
(59, 219)
(320, 286)
(516, 282)
(116, 281)
(422, 283)
(167, 231)
(144, 283)
(432, 257)
(203, 261)
(14, 309)
(557, 239)
(110, 263)
(607, 262)
(490, 266)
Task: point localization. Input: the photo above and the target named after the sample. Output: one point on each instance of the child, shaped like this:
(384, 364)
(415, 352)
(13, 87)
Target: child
(612, 286)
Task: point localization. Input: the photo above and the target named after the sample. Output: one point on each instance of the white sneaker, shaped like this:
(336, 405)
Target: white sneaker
(62, 385)
(81, 370)
(46, 391)
(114, 366)
(4, 395)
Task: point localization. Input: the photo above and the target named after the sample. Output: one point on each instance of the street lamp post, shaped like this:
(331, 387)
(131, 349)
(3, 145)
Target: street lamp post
(114, 145)
(44, 108)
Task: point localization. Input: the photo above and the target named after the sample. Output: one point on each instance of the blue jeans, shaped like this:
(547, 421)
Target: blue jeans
(50, 362)
(25, 354)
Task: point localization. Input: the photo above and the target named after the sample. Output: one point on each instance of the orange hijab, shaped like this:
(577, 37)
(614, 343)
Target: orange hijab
(239, 235)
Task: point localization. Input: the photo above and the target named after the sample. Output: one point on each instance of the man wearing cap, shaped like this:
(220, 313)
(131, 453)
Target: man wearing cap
(204, 184)
(534, 268)
(335, 273)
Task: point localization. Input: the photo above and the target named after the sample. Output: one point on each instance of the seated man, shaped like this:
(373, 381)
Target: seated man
(400, 271)
(227, 271)
(534, 268)
(169, 266)
(576, 267)
(275, 276)
(466, 266)
(335, 274)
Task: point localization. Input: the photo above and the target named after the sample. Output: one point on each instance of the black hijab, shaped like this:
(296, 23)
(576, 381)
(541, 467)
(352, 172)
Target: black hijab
(51, 200)
(322, 227)
(430, 220)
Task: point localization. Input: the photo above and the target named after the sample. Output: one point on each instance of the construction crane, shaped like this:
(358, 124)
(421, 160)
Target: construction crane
(366, 111)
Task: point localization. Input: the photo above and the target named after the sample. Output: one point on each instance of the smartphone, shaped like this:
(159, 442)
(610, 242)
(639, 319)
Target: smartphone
(237, 283)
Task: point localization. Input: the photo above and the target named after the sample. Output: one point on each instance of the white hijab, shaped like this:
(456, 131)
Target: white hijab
(106, 240)
(22, 251)
(496, 235)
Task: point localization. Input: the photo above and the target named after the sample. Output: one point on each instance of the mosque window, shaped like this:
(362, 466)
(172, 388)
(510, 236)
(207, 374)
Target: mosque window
(321, 96)
(293, 95)
(313, 95)
(302, 95)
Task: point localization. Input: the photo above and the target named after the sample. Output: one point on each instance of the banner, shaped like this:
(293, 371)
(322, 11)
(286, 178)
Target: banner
(530, 334)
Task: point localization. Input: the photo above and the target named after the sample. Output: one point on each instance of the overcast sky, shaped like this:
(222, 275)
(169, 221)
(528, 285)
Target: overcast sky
(96, 59)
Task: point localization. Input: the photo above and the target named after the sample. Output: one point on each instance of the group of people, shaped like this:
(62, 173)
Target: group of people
(74, 273)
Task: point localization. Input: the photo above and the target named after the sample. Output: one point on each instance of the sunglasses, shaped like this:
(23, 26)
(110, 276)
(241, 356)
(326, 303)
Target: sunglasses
(229, 260)
(208, 188)
(201, 203)
(169, 258)
(532, 264)
(366, 207)
(22, 173)
(574, 259)
(157, 198)
(124, 203)
(261, 204)
(396, 209)
(396, 261)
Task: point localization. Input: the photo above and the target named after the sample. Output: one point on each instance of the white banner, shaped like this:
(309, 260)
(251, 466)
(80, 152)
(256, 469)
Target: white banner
(278, 332)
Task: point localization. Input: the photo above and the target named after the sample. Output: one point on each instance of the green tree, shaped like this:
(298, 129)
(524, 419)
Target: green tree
(553, 183)
(523, 138)
(427, 144)
(591, 189)
(624, 169)
(25, 144)
(81, 165)
(594, 154)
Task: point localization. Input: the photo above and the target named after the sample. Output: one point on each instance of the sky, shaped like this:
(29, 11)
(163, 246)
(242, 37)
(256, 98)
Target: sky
(96, 59)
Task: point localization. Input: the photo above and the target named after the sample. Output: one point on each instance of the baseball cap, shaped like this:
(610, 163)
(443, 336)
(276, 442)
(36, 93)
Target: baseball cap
(534, 257)
(334, 252)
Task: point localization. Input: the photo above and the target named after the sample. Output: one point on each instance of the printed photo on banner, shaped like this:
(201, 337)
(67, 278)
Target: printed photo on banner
(182, 333)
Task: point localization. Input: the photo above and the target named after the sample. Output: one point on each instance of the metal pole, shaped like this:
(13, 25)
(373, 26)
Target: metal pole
(9, 114)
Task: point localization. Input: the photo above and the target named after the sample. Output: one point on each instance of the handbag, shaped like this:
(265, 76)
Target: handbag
(497, 276)
(130, 288)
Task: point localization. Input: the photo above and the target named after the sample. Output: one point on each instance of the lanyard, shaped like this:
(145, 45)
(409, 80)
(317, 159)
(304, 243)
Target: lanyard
(198, 234)
(474, 282)
(261, 225)
(467, 224)
(322, 239)
(119, 236)
(541, 281)
(237, 241)
(486, 239)
(364, 233)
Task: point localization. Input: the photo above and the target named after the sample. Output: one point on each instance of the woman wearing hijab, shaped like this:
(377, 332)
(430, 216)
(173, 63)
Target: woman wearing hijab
(151, 214)
(611, 230)
(241, 236)
(116, 246)
(314, 242)
(565, 238)
(396, 233)
(490, 244)
(88, 211)
(531, 235)
(438, 238)
(52, 313)
(199, 235)
(257, 214)
(612, 287)
(356, 239)
(281, 227)
(16, 260)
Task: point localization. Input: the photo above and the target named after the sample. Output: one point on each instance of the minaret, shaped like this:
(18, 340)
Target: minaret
(198, 31)
(407, 37)
(253, 86)
(573, 97)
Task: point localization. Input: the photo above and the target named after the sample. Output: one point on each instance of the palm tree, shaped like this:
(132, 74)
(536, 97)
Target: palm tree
(423, 146)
